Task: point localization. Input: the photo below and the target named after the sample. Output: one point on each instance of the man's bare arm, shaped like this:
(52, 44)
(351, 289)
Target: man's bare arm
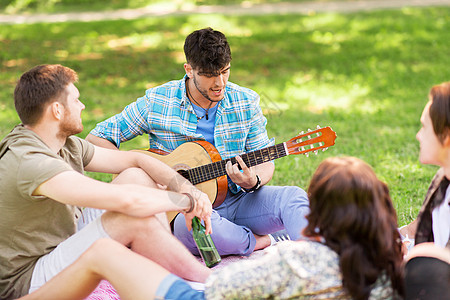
(100, 142)
(114, 162)
(71, 187)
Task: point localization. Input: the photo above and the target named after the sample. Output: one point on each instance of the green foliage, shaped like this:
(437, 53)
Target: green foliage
(367, 75)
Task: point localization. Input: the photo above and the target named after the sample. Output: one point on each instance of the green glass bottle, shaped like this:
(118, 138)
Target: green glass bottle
(205, 244)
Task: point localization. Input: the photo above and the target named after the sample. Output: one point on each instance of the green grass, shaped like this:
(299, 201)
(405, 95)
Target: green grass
(62, 6)
(367, 75)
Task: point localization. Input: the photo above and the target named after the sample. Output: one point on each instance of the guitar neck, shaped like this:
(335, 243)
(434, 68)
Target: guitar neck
(217, 169)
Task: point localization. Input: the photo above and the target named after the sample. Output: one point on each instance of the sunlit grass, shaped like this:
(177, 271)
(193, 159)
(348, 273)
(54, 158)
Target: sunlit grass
(28, 6)
(366, 75)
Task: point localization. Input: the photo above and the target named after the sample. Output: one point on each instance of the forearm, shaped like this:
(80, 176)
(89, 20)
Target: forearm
(100, 142)
(265, 172)
(131, 199)
(176, 186)
(140, 201)
(115, 162)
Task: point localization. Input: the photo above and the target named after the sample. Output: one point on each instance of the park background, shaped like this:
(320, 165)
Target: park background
(366, 74)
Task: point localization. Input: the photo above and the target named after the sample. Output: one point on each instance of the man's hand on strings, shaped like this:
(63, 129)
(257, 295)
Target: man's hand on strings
(245, 178)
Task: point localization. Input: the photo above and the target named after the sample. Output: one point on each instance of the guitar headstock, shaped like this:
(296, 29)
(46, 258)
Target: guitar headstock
(312, 140)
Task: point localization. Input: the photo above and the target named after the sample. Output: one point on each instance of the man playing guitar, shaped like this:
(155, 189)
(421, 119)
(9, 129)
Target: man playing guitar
(205, 106)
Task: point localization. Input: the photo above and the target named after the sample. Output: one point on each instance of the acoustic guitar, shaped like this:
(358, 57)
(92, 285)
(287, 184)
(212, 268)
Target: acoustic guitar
(201, 164)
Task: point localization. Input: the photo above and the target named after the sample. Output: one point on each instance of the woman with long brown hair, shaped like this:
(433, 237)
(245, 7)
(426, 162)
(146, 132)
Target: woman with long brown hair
(352, 214)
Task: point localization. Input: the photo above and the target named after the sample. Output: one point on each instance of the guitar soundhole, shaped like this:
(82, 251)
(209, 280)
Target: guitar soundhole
(184, 173)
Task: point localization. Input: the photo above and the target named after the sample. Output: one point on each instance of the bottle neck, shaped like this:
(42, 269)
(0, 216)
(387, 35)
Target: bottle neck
(196, 225)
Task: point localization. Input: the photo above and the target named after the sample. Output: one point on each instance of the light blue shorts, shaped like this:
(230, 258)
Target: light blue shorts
(173, 287)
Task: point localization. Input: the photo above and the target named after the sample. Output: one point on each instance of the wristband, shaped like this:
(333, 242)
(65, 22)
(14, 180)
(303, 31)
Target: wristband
(191, 199)
(257, 186)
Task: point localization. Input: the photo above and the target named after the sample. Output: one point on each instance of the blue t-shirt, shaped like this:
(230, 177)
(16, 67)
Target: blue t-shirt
(205, 126)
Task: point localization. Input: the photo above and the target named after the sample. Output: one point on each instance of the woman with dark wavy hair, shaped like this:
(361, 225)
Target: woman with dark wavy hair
(352, 214)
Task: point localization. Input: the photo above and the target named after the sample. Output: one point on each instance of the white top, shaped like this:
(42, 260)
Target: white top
(441, 221)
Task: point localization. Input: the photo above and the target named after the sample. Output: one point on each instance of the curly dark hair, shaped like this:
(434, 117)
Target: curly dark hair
(352, 210)
(207, 50)
(440, 110)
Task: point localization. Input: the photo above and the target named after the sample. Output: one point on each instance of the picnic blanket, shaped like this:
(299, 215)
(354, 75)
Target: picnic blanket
(105, 291)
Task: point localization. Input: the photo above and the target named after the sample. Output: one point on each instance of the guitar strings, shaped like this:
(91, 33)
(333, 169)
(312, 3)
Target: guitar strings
(198, 175)
(217, 169)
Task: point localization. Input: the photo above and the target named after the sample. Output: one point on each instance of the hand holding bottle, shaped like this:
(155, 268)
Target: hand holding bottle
(201, 207)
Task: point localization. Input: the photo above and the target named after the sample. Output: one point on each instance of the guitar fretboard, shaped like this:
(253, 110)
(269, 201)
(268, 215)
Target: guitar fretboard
(216, 169)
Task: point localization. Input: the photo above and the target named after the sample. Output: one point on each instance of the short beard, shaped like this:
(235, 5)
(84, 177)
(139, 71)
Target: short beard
(67, 129)
(204, 94)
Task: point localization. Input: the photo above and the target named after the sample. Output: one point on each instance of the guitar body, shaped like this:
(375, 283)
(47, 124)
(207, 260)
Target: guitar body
(190, 155)
(201, 164)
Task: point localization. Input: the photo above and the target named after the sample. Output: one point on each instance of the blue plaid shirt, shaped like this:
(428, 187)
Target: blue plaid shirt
(167, 116)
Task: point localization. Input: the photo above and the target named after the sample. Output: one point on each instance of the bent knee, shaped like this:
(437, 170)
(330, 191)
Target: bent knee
(135, 176)
(97, 249)
(294, 194)
(295, 190)
(101, 251)
(104, 243)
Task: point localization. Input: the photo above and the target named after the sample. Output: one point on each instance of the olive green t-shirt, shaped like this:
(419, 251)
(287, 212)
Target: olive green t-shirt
(32, 226)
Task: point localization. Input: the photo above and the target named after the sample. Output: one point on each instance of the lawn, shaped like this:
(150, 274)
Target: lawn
(61, 6)
(367, 75)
